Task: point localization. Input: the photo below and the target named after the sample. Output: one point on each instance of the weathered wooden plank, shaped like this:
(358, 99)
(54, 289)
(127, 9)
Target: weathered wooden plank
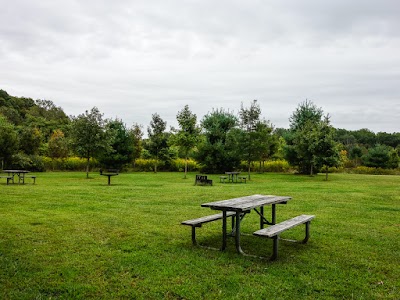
(280, 227)
(206, 219)
(246, 203)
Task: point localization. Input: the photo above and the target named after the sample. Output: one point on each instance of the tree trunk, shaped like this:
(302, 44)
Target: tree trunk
(87, 167)
(185, 166)
(311, 170)
(155, 163)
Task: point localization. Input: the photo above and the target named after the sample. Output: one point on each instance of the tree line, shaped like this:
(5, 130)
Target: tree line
(221, 141)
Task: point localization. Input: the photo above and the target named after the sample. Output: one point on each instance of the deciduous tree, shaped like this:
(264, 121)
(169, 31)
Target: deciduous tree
(88, 135)
(8, 141)
(310, 140)
(157, 143)
(187, 136)
(58, 145)
(216, 153)
(255, 137)
(121, 149)
(136, 135)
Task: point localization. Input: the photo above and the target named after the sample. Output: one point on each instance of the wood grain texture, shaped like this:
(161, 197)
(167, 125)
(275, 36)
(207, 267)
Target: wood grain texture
(276, 229)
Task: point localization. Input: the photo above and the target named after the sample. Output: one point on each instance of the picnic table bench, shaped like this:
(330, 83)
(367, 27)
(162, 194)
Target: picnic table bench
(33, 177)
(200, 221)
(275, 230)
(9, 178)
(202, 179)
(242, 178)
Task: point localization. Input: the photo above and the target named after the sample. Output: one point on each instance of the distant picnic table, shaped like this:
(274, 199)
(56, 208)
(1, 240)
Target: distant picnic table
(232, 177)
(20, 173)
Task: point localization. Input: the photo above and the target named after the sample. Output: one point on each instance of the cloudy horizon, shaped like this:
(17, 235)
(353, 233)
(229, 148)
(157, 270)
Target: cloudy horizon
(135, 58)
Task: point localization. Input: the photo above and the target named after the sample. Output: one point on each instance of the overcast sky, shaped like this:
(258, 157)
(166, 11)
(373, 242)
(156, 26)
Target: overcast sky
(134, 58)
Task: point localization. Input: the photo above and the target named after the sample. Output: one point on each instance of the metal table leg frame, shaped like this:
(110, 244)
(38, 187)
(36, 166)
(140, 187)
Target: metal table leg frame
(275, 248)
(307, 233)
(223, 230)
(194, 235)
(237, 234)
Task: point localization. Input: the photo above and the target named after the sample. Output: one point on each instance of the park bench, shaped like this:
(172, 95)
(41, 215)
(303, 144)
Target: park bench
(34, 178)
(200, 221)
(242, 178)
(223, 178)
(202, 179)
(8, 178)
(275, 230)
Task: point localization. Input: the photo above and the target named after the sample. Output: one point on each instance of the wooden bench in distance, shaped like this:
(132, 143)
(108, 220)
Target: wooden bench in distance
(223, 178)
(242, 178)
(274, 230)
(202, 179)
(200, 221)
(34, 178)
(8, 178)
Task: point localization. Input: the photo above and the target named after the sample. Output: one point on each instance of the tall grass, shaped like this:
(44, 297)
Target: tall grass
(67, 237)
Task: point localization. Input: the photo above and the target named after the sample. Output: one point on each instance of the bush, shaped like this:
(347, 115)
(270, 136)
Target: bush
(147, 165)
(374, 171)
(174, 165)
(68, 164)
(278, 166)
(22, 161)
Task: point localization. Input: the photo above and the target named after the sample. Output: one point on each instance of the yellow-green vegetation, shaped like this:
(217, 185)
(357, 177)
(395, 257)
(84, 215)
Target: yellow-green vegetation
(68, 237)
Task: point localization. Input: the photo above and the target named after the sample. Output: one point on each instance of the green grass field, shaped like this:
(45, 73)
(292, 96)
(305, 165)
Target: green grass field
(68, 237)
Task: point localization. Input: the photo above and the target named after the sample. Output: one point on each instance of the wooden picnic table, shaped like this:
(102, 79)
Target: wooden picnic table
(19, 173)
(232, 176)
(242, 206)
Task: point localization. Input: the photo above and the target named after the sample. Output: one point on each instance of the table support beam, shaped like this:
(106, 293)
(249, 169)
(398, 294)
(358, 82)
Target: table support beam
(237, 234)
(224, 230)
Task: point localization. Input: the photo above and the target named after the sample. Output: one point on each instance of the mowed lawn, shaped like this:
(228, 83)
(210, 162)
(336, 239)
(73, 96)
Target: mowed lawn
(68, 237)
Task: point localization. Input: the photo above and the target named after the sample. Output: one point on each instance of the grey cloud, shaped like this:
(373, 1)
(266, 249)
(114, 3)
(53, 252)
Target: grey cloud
(133, 58)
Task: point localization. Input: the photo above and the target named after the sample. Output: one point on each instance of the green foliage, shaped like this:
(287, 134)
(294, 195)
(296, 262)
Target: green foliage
(175, 165)
(307, 112)
(30, 140)
(58, 145)
(255, 140)
(33, 162)
(187, 136)
(121, 147)
(46, 116)
(217, 153)
(71, 163)
(326, 149)
(8, 140)
(276, 166)
(13, 108)
(157, 144)
(373, 171)
(89, 138)
(310, 141)
(380, 157)
(136, 135)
